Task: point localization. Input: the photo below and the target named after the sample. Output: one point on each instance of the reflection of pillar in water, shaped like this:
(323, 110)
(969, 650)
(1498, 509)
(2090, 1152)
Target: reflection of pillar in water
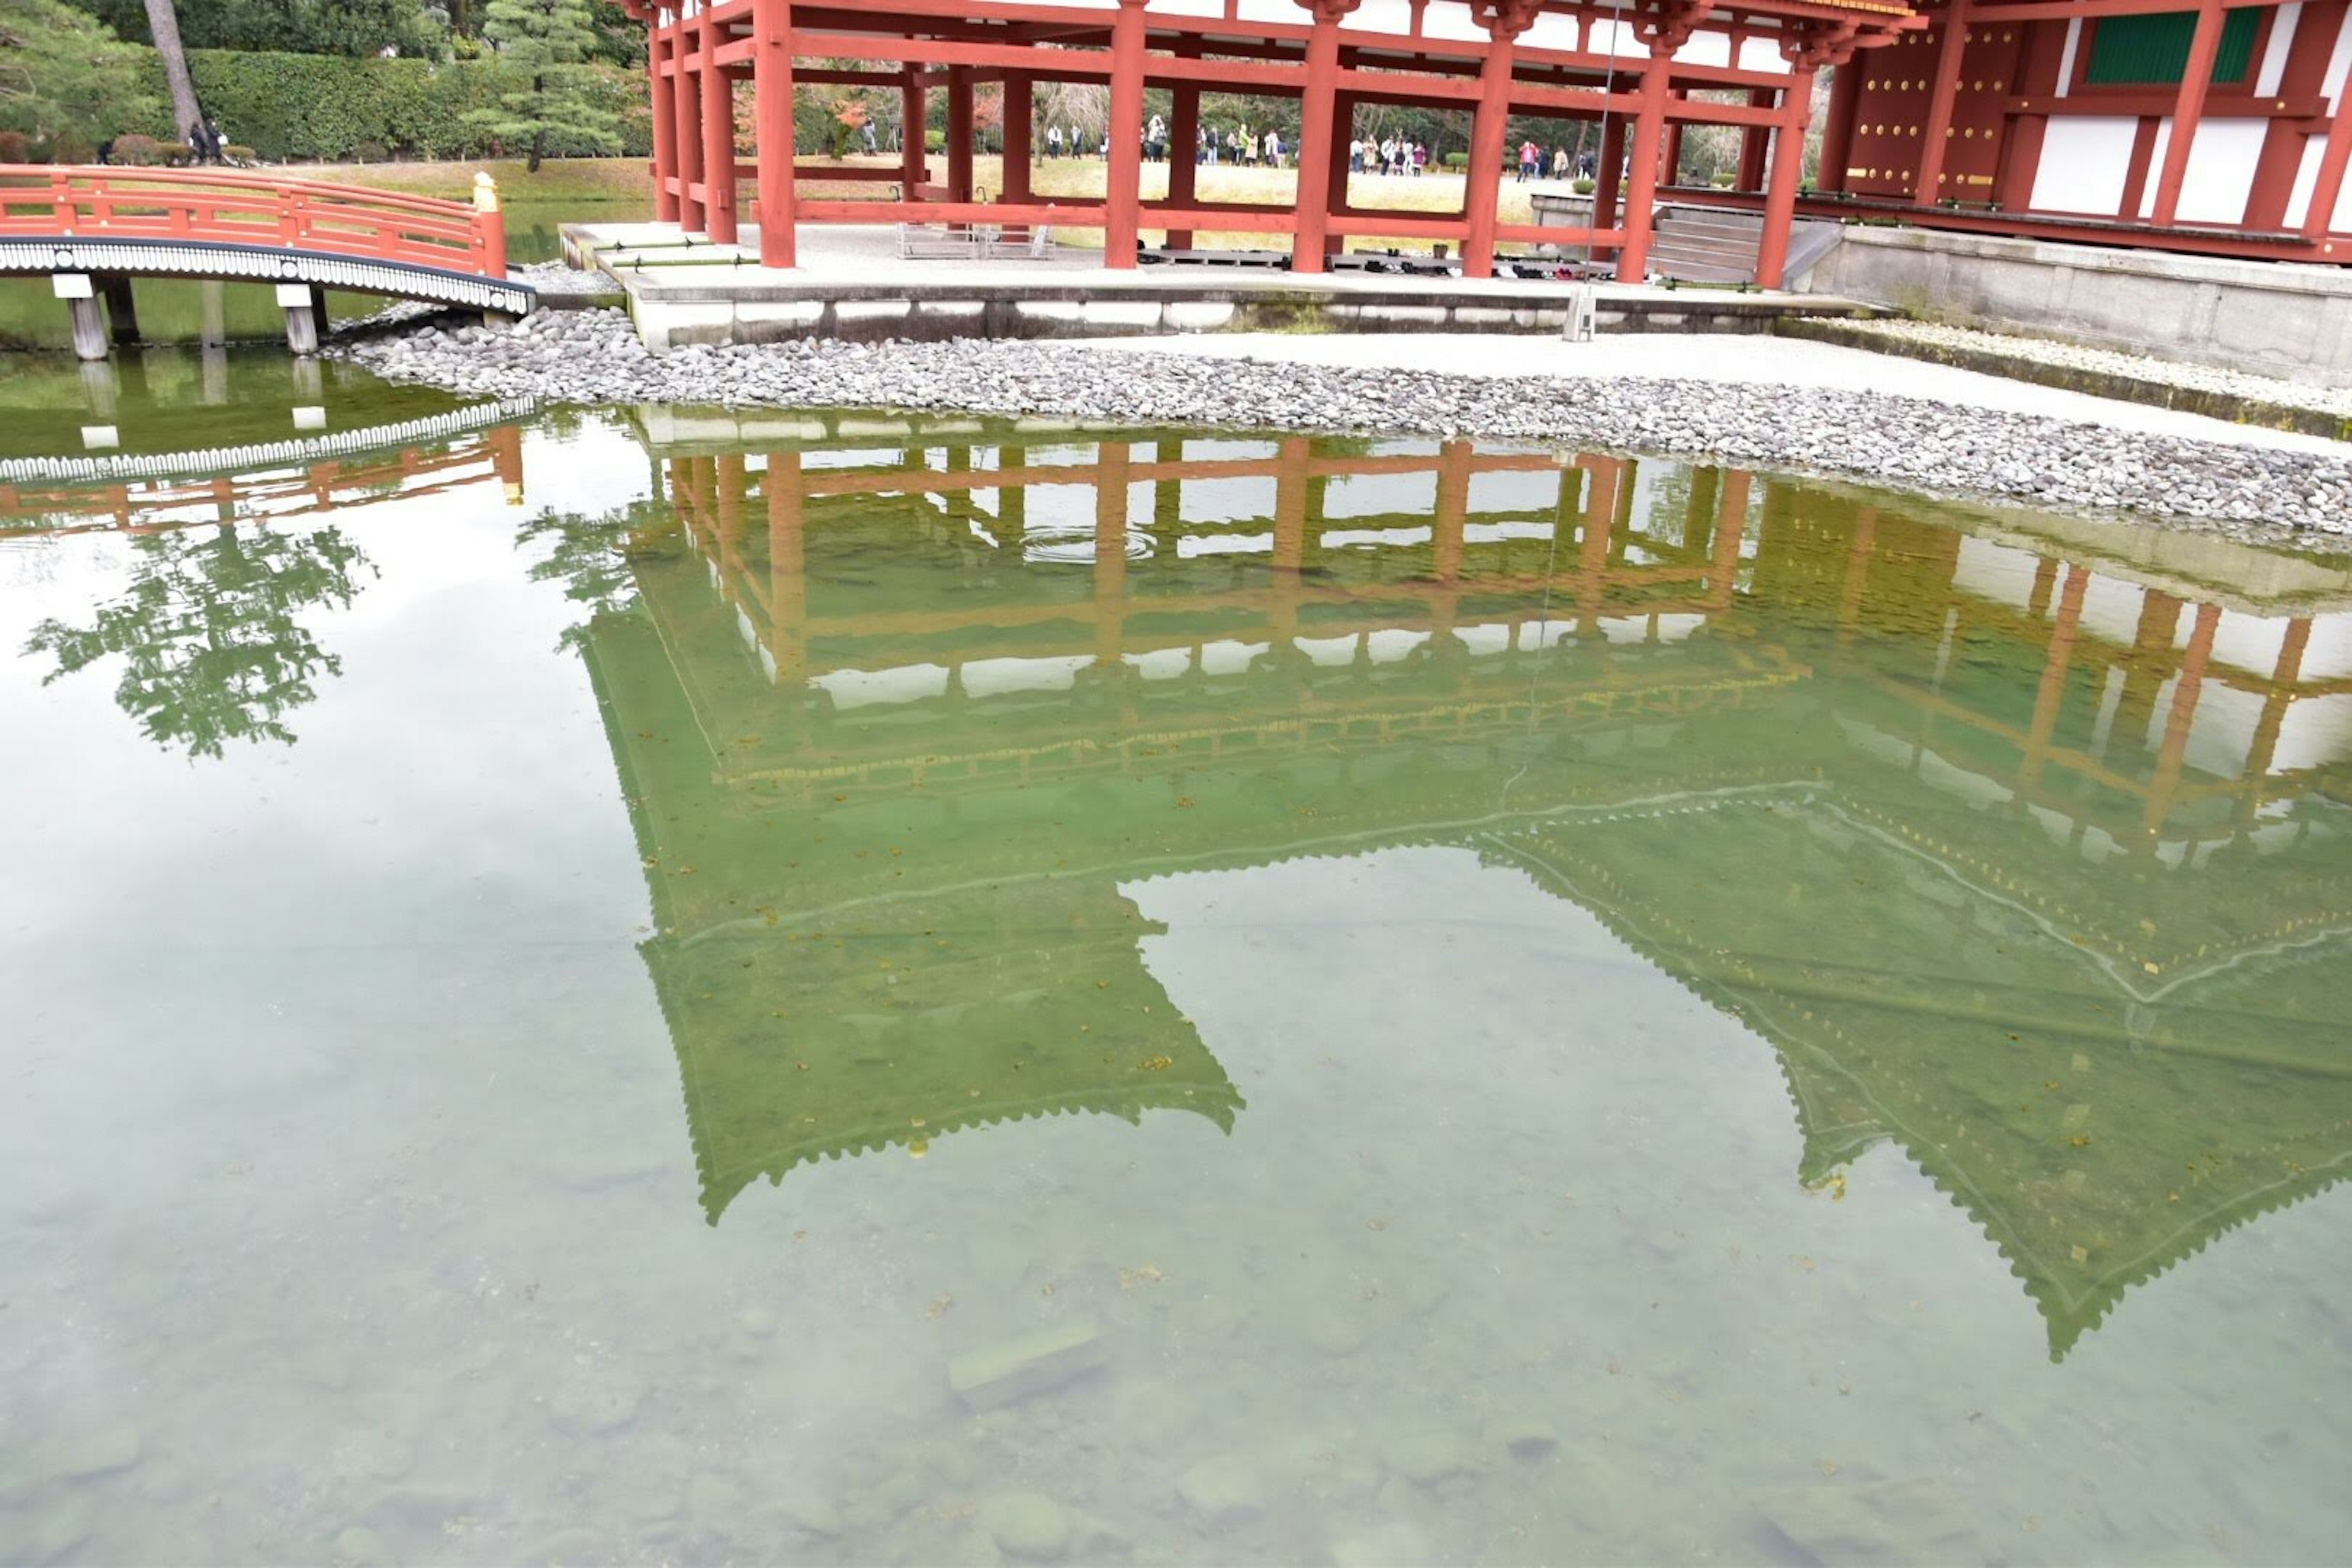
(213, 367)
(2276, 700)
(1609, 476)
(2146, 665)
(1731, 489)
(212, 307)
(101, 388)
(310, 379)
(1012, 503)
(2169, 759)
(787, 569)
(505, 442)
(1445, 547)
(1110, 549)
(1290, 482)
(1857, 574)
(2052, 694)
(1168, 494)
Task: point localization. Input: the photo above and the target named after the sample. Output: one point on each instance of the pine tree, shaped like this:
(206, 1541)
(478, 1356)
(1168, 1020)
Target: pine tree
(547, 44)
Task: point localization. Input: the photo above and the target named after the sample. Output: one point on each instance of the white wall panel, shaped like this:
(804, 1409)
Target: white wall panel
(2083, 162)
(2221, 173)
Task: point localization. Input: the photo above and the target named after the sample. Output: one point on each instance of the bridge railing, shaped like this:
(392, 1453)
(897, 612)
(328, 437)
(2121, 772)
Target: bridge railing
(237, 208)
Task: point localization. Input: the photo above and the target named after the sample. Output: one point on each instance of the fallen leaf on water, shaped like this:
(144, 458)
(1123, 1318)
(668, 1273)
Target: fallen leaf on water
(942, 1305)
(1155, 1064)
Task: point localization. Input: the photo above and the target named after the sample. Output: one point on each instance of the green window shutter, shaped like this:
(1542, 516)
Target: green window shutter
(2143, 51)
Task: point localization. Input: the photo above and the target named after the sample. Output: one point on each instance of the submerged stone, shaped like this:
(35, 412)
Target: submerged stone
(1226, 1489)
(1021, 1368)
(1027, 1524)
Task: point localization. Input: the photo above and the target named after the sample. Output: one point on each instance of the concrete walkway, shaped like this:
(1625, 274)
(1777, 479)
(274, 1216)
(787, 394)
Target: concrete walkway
(1729, 359)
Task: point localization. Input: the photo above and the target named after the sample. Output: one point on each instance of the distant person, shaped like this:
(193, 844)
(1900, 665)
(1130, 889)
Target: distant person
(1528, 154)
(872, 142)
(1356, 157)
(199, 141)
(1420, 159)
(1053, 141)
(1155, 141)
(1273, 148)
(1204, 147)
(1559, 164)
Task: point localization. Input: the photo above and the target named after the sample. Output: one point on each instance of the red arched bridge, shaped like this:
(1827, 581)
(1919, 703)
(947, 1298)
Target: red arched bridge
(93, 229)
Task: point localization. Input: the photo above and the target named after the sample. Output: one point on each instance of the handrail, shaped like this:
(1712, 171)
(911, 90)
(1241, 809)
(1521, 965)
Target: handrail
(238, 208)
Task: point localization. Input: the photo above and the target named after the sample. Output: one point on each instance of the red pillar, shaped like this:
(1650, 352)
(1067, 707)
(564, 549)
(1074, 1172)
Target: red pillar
(1609, 182)
(1020, 123)
(1483, 190)
(960, 134)
(914, 167)
(718, 141)
(1670, 162)
(1837, 132)
(1752, 141)
(1787, 171)
(658, 52)
(1927, 188)
(1641, 182)
(1183, 143)
(2188, 108)
(772, 137)
(685, 95)
(1123, 202)
(1310, 242)
(2329, 188)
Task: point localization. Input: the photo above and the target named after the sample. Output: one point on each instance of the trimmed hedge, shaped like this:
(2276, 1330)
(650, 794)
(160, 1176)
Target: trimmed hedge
(333, 108)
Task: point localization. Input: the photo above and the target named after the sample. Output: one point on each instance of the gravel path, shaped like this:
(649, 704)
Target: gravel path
(594, 357)
(2115, 362)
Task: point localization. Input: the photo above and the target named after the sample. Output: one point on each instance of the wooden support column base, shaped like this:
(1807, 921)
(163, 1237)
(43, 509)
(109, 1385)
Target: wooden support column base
(121, 309)
(81, 305)
(299, 302)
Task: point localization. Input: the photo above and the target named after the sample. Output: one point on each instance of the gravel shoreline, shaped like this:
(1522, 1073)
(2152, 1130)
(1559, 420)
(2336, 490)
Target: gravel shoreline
(594, 357)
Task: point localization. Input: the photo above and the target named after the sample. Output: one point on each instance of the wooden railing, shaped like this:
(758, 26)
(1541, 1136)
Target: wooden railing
(204, 205)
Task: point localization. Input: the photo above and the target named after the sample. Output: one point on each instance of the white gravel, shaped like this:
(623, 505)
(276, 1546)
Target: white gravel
(1937, 448)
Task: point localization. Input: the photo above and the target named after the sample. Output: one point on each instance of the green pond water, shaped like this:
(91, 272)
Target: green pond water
(658, 985)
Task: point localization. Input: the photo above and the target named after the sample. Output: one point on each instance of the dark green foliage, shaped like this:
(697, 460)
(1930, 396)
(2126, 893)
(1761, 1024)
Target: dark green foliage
(321, 107)
(66, 75)
(543, 46)
(351, 27)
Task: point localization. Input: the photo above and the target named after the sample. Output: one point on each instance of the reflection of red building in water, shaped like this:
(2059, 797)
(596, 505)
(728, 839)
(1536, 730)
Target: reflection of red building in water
(2214, 128)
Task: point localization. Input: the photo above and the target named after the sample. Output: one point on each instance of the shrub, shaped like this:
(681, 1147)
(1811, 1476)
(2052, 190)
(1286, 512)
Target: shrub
(67, 149)
(371, 152)
(1581, 184)
(138, 152)
(16, 147)
(1455, 163)
(177, 153)
(237, 154)
(332, 107)
(935, 141)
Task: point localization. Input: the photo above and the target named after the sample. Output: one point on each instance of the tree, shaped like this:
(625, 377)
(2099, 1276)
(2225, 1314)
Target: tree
(62, 73)
(163, 27)
(355, 27)
(550, 41)
(212, 651)
(597, 559)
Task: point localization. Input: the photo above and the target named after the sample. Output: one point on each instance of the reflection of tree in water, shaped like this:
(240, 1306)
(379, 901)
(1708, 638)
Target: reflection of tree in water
(212, 651)
(592, 557)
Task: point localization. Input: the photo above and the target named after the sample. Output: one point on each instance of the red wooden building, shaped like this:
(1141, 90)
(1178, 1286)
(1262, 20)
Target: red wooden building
(2218, 128)
(1638, 69)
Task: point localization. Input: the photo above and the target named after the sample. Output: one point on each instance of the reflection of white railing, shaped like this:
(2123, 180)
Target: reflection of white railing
(112, 466)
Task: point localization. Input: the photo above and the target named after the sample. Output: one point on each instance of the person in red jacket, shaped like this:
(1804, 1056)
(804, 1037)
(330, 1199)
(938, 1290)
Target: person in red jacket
(1528, 154)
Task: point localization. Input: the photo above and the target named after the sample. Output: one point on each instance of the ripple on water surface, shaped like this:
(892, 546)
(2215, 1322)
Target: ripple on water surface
(669, 987)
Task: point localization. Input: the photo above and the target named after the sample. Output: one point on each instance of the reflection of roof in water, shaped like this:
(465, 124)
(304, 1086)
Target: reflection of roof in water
(2098, 1006)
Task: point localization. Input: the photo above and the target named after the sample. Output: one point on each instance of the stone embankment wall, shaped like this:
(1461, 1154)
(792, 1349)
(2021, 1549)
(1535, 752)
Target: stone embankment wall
(2270, 317)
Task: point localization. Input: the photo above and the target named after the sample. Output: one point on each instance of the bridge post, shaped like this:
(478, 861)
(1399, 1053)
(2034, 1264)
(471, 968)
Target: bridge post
(88, 320)
(121, 309)
(299, 301)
